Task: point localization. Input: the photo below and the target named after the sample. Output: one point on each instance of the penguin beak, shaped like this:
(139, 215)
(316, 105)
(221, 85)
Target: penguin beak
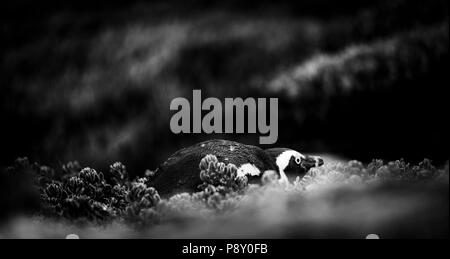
(312, 161)
(319, 161)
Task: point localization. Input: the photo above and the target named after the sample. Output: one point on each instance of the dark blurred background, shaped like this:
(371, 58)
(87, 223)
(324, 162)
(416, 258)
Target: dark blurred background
(92, 80)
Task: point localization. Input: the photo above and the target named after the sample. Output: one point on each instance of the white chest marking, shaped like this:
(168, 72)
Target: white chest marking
(248, 169)
(283, 161)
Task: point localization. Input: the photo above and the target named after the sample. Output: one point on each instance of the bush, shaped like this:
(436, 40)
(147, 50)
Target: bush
(88, 194)
(85, 195)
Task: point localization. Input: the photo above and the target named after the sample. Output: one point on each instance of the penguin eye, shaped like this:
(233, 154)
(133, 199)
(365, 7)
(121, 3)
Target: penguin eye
(297, 160)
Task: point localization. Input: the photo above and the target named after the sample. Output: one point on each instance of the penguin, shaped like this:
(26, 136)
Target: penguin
(180, 172)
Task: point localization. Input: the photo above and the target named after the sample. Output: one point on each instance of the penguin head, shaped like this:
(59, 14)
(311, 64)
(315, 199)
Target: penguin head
(291, 163)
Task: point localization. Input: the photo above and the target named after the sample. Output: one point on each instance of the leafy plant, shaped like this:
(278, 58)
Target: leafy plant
(87, 195)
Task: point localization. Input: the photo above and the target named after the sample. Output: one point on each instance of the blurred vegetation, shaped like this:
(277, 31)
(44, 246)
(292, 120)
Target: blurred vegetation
(93, 82)
(85, 197)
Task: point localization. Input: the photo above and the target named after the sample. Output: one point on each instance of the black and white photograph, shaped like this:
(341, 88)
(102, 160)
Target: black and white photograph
(207, 120)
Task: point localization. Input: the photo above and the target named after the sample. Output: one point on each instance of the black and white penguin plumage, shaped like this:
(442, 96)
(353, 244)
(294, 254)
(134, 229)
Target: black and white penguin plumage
(180, 172)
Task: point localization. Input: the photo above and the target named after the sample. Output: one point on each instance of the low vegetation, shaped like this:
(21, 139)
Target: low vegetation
(84, 197)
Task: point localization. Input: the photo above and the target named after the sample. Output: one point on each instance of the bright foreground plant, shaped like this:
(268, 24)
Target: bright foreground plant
(76, 194)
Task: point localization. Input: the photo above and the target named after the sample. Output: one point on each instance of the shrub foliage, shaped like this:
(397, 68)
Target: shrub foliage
(84, 194)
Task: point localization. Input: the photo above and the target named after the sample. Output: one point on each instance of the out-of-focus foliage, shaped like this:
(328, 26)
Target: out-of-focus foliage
(220, 182)
(96, 85)
(74, 193)
(19, 188)
(336, 200)
(376, 172)
(85, 195)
